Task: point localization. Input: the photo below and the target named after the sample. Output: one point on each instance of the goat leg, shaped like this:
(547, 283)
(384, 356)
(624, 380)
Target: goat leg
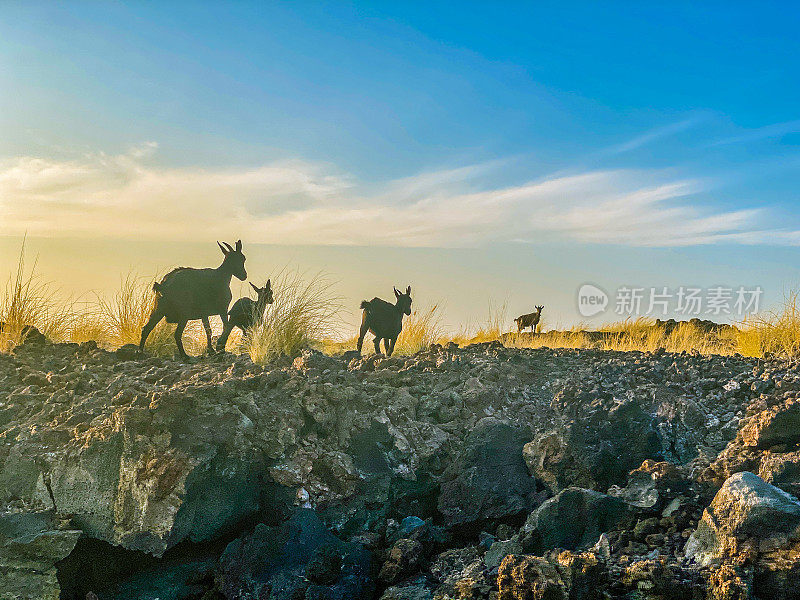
(207, 327)
(155, 317)
(179, 339)
(361, 334)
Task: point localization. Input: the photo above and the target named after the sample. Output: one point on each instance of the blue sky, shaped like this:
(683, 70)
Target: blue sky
(577, 134)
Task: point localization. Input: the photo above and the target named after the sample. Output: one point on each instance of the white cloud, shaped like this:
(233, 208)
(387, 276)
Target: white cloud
(303, 203)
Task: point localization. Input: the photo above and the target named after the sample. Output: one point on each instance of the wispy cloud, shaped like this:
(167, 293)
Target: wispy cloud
(298, 202)
(651, 136)
(761, 133)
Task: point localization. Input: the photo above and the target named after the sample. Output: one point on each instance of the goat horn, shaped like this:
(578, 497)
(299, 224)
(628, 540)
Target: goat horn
(228, 246)
(221, 247)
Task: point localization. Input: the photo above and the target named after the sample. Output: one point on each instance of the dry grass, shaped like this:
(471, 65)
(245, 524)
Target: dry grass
(305, 314)
(421, 329)
(29, 301)
(490, 330)
(641, 334)
(304, 311)
(774, 332)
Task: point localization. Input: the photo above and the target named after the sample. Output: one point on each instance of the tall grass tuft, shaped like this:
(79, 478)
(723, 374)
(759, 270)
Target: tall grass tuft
(303, 313)
(29, 301)
(494, 326)
(421, 329)
(775, 332)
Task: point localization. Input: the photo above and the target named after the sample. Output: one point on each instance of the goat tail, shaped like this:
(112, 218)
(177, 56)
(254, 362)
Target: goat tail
(156, 286)
(364, 305)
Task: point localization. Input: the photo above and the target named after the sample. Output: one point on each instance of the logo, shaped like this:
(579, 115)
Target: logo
(591, 300)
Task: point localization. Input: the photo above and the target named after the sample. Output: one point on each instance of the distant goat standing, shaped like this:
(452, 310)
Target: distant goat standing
(186, 294)
(530, 320)
(384, 320)
(246, 312)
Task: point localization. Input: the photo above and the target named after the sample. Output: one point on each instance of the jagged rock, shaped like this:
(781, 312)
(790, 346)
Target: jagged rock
(488, 479)
(782, 471)
(156, 455)
(403, 558)
(30, 546)
(412, 590)
(299, 559)
(729, 583)
(598, 443)
(529, 578)
(129, 352)
(458, 570)
(778, 425)
(766, 445)
(574, 519)
(655, 580)
(651, 484)
(499, 550)
(747, 514)
(564, 576)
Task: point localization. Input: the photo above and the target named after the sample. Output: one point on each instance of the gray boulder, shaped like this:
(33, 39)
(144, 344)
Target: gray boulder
(746, 513)
(488, 479)
(298, 559)
(572, 520)
(30, 546)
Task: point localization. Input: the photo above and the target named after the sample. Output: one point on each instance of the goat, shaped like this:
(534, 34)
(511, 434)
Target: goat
(384, 320)
(246, 312)
(185, 294)
(530, 320)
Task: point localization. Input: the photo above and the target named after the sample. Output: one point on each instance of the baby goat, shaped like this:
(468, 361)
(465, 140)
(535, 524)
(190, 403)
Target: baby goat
(384, 320)
(246, 312)
(530, 320)
(185, 294)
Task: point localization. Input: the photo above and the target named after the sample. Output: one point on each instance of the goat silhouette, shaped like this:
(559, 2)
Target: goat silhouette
(185, 294)
(246, 312)
(384, 320)
(530, 320)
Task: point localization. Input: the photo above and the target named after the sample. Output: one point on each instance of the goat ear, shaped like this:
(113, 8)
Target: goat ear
(238, 245)
(408, 291)
(254, 287)
(224, 250)
(267, 285)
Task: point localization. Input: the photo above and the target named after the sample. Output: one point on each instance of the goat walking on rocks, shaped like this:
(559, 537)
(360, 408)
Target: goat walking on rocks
(246, 312)
(384, 320)
(530, 320)
(186, 294)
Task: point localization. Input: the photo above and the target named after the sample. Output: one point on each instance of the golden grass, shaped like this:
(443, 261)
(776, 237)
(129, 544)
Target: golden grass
(303, 312)
(490, 330)
(642, 334)
(774, 332)
(421, 329)
(29, 301)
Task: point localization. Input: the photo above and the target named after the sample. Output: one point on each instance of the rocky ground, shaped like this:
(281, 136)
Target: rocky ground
(458, 473)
